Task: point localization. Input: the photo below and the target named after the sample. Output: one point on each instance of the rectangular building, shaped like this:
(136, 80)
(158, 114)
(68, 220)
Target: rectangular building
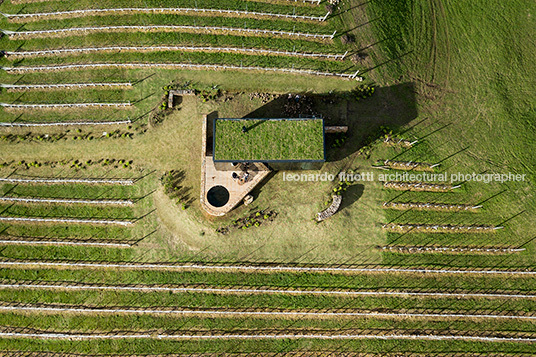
(284, 144)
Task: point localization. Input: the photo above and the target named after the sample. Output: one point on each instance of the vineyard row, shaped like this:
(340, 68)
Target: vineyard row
(86, 243)
(66, 201)
(124, 182)
(249, 51)
(23, 125)
(30, 69)
(82, 31)
(254, 313)
(65, 220)
(69, 105)
(40, 285)
(253, 269)
(259, 336)
(26, 87)
(21, 17)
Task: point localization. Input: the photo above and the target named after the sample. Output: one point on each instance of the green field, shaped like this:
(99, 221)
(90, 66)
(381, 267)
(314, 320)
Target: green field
(454, 78)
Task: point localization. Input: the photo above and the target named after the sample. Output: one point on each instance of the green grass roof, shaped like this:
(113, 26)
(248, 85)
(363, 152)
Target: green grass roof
(269, 140)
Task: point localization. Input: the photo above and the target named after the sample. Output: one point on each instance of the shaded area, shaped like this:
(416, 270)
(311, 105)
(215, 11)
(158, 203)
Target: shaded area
(391, 107)
(352, 194)
(173, 182)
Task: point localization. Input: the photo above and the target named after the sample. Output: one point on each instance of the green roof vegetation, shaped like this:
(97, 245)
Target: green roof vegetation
(269, 140)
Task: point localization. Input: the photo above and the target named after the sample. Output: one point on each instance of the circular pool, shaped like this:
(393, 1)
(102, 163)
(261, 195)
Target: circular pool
(218, 196)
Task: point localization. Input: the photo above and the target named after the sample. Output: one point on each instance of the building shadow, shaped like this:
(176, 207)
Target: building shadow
(285, 106)
(353, 194)
(389, 107)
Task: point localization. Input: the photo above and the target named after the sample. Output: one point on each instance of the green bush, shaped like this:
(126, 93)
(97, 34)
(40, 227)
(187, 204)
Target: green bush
(363, 91)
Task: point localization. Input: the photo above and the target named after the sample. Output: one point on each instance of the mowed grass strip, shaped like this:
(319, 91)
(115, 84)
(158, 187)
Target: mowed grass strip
(64, 251)
(265, 348)
(257, 302)
(72, 211)
(361, 282)
(195, 58)
(521, 260)
(53, 6)
(184, 20)
(60, 231)
(72, 96)
(269, 140)
(260, 348)
(166, 39)
(72, 323)
(71, 191)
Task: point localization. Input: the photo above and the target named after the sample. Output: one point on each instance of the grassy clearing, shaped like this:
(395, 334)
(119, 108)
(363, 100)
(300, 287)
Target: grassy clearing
(267, 140)
(181, 235)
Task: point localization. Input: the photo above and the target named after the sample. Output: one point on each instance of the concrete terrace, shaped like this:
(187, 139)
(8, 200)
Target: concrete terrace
(210, 177)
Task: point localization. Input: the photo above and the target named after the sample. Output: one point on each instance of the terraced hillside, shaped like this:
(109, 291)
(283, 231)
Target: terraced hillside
(109, 41)
(104, 250)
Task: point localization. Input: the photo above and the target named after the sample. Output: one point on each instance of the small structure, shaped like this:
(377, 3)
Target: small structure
(336, 129)
(284, 144)
(331, 210)
(172, 101)
(248, 200)
(224, 189)
(236, 154)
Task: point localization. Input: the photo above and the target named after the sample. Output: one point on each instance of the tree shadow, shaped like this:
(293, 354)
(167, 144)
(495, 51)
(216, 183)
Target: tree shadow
(352, 194)
(340, 12)
(340, 34)
(387, 62)
(174, 188)
(251, 127)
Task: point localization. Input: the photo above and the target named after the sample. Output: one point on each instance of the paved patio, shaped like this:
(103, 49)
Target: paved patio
(238, 189)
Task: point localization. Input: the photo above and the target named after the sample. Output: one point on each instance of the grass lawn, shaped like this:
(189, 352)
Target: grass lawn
(269, 140)
(476, 115)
